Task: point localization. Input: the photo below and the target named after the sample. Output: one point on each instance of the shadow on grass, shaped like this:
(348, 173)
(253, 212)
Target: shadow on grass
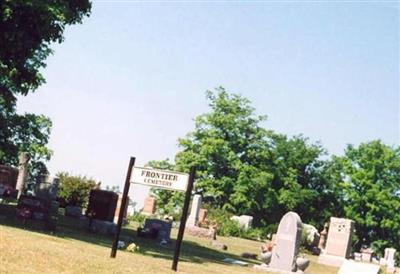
(67, 228)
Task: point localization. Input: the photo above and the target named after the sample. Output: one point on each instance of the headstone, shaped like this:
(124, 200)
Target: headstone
(201, 232)
(338, 244)
(118, 208)
(202, 215)
(366, 255)
(288, 238)
(73, 211)
(103, 227)
(194, 212)
(244, 221)
(163, 228)
(48, 188)
(102, 205)
(22, 173)
(339, 237)
(390, 257)
(324, 235)
(149, 206)
(357, 256)
(352, 267)
(8, 176)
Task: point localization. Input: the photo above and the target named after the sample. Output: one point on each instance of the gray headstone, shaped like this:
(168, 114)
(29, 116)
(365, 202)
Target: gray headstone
(287, 243)
(48, 188)
(22, 173)
(164, 228)
(73, 211)
(194, 212)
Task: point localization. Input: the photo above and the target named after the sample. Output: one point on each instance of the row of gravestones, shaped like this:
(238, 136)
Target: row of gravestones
(336, 249)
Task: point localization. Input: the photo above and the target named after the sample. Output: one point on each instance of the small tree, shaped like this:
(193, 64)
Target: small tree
(75, 190)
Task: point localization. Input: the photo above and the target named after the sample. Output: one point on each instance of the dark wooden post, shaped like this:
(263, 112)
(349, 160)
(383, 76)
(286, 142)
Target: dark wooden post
(123, 205)
(183, 219)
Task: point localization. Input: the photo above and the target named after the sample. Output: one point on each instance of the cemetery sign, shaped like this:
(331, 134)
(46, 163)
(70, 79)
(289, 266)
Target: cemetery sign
(159, 178)
(170, 180)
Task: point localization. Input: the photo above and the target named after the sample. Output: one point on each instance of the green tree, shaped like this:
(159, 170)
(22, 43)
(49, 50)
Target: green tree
(370, 176)
(168, 202)
(75, 190)
(224, 140)
(247, 169)
(27, 29)
(25, 133)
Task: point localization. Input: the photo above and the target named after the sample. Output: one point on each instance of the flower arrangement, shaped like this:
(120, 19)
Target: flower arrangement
(132, 248)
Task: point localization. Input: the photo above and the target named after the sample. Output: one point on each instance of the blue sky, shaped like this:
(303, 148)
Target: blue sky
(131, 78)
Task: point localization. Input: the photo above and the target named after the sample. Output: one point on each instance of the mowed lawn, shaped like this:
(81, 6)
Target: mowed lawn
(75, 251)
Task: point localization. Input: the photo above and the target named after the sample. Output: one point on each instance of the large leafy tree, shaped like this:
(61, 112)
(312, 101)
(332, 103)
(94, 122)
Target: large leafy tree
(224, 140)
(371, 193)
(246, 169)
(27, 29)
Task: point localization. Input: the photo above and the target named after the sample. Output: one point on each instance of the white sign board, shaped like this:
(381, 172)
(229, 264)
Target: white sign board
(160, 178)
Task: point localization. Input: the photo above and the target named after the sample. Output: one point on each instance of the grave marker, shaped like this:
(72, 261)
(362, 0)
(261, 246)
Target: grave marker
(338, 244)
(288, 238)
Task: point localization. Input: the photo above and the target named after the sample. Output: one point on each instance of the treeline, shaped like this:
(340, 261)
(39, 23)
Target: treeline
(244, 168)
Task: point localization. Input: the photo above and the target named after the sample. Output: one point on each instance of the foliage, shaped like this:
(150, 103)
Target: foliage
(370, 176)
(137, 218)
(246, 169)
(168, 202)
(75, 190)
(231, 228)
(225, 226)
(28, 27)
(24, 133)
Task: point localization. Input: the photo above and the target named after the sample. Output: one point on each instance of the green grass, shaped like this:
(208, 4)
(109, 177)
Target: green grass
(70, 250)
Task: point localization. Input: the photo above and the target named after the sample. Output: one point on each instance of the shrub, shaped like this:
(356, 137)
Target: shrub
(75, 190)
(137, 217)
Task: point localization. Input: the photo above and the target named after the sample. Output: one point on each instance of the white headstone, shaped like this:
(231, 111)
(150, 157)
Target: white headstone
(245, 221)
(194, 212)
(287, 243)
(352, 267)
(390, 257)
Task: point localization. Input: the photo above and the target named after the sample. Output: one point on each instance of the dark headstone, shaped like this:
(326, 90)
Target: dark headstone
(163, 228)
(73, 211)
(102, 205)
(8, 176)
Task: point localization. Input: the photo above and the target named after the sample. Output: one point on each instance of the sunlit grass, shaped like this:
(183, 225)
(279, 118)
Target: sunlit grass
(71, 250)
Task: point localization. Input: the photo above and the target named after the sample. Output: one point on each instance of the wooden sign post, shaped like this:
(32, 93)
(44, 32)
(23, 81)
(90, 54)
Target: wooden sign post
(165, 179)
(123, 205)
(183, 219)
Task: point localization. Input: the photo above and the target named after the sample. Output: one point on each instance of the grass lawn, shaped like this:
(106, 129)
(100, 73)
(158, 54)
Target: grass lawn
(70, 250)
